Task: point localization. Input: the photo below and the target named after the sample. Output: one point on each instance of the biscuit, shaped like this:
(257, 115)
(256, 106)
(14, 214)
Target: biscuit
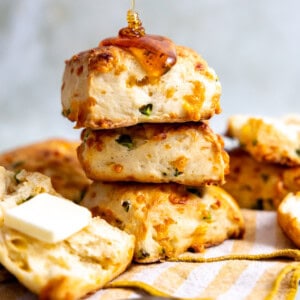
(106, 87)
(288, 216)
(69, 269)
(259, 185)
(189, 154)
(20, 186)
(167, 219)
(56, 158)
(267, 139)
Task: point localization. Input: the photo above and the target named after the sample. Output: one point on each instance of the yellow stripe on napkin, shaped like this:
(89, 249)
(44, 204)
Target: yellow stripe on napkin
(260, 266)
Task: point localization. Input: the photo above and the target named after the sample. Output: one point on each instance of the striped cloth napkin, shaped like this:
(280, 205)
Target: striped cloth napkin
(261, 266)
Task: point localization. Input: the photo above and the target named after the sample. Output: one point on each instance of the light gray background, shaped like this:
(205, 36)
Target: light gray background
(253, 45)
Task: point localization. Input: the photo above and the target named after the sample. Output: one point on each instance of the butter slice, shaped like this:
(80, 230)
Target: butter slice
(48, 218)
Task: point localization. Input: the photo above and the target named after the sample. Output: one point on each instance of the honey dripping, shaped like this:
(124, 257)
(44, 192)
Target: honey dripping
(156, 54)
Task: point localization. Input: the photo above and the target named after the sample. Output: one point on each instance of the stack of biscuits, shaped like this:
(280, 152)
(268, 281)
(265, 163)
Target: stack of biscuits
(147, 145)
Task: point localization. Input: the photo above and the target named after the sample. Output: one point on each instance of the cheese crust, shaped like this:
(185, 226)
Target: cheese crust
(189, 154)
(56, 158)
(167, 219)
(267, 139)
(288, 216)
(106, 87)
(259, 185)
(69, 269)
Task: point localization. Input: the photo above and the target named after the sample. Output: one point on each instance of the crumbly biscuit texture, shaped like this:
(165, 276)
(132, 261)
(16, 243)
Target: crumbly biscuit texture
(106, 87)
(289, 217)
(69, 269)
(167, 219)
(268, 139)
(189, 154)
(56, 158)
(18, 187)
(259, 185)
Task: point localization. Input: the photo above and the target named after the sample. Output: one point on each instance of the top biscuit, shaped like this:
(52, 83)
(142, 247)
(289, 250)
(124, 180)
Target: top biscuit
(268, 139)
(106, 87)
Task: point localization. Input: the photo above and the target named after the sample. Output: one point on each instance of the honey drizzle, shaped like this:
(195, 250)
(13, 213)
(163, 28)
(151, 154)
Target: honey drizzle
(134, 22)
(156, 54)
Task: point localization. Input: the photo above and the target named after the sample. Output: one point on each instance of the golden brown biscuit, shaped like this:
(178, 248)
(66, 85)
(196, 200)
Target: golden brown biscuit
(167, 219)
(69, 269)
(267, 139)
(288, 216)
(56, 158)
(189, 154)
(106, 87)
(259, 185)
(20, 186)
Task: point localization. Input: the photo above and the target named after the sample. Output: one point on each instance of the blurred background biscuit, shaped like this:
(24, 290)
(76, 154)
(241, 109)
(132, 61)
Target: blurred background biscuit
(275, 140)
(259, 185)
(56, 158)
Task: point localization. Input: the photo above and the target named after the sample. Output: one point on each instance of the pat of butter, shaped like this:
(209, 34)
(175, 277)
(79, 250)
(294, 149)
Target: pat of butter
(48, 218)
